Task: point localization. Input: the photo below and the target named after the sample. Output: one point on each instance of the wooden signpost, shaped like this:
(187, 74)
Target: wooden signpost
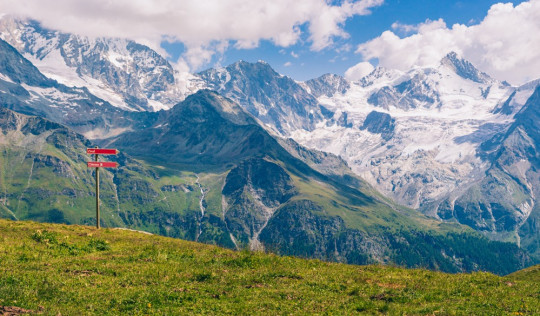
(100, 164)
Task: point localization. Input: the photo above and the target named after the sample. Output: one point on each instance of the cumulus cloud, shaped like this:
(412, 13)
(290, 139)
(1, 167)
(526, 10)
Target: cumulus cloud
(327, 21)
(198, 24)
(505, 44)
(359, 71)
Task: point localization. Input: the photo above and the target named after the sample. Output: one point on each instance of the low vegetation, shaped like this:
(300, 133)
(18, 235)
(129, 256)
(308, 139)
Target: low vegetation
(72, 270)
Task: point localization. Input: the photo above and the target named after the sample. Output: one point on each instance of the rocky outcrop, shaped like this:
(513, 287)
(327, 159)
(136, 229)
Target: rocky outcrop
(407, 95)
(253, 191)
(327, 85)
(380, 123)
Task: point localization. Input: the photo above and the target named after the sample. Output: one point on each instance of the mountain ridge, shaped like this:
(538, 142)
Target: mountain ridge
(134, 195)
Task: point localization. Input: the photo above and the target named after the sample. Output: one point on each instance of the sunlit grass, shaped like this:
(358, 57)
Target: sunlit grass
(76, 270)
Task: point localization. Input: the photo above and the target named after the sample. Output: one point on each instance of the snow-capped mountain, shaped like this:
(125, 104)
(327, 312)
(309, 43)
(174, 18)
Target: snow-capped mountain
(25, 89)
(276, 100)
(428, 137)
(415, 134)
(124, 73)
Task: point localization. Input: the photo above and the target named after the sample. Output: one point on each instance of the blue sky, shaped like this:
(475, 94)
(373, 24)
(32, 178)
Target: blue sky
(337, 59)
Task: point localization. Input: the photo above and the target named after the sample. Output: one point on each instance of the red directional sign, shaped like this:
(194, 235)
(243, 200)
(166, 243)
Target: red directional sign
(102, 164)
(102, 151)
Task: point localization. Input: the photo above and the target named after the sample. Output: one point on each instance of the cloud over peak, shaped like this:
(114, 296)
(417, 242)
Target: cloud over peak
(505, 44)
(203, 26)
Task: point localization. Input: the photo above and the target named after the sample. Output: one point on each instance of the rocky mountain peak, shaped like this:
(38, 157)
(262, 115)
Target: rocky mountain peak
(260, 69)
(276, 100)
(464, 68)
(328, 85)
(205, 103)
(380, 75)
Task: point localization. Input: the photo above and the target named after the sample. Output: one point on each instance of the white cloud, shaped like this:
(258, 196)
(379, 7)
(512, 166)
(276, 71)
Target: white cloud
(197, 56)
(197, 24)
(326, 22)
(405, 28)
(506, 44)
(295, 55)
(422, 27)
(287, 64)
(359, 71)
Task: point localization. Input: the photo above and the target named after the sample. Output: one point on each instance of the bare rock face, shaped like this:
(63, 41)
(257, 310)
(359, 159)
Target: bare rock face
(274, 99)
(327, 85)
(380, 123)
(254, 190)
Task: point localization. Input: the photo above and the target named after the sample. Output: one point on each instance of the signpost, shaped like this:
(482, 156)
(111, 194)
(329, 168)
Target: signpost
(100, 164)
(101, 151)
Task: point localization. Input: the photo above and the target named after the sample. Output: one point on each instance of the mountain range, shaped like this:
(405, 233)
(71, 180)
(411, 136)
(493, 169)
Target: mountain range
(216, 167)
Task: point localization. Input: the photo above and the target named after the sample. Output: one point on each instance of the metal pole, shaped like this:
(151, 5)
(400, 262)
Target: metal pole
(97, 194)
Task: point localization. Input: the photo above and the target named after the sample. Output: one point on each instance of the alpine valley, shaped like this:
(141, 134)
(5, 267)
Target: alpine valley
(435, 167)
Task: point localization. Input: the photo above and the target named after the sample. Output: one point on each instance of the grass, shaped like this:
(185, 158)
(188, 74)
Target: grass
(75, 270)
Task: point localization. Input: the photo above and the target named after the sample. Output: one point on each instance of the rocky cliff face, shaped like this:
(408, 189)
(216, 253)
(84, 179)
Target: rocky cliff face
(253, 191)
(380, 123)
(327, 85)
(276, 100)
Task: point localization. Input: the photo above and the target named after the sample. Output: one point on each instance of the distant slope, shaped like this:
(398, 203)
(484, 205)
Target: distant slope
(504, 201)
(58, 269)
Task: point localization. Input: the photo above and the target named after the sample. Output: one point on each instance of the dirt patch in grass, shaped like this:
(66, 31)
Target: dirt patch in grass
(14, 310)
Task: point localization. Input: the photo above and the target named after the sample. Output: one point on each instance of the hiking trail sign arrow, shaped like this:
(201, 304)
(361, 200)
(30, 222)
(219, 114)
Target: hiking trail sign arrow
(100, 164)
(101, 151)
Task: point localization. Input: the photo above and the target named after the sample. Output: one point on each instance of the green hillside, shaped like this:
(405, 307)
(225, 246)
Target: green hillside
(73, 270)
(270, 201)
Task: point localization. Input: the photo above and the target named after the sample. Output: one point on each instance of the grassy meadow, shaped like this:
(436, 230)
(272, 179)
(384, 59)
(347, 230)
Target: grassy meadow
(76, 270)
